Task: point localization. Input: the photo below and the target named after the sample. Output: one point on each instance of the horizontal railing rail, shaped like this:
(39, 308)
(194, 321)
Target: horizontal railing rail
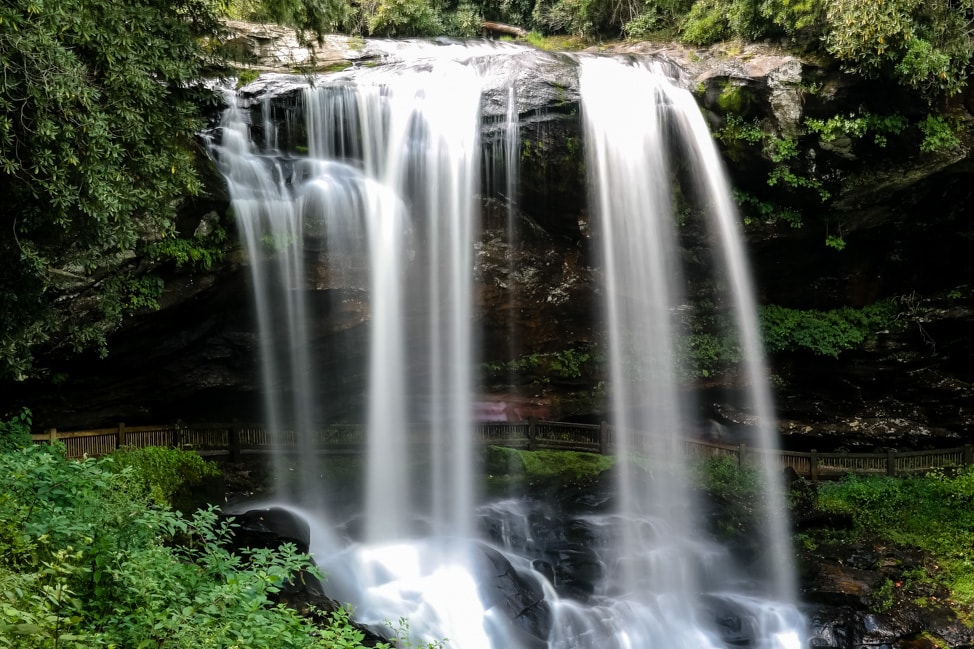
(234, 438)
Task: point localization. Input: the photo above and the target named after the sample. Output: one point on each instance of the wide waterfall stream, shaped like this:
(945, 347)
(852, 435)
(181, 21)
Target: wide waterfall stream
(385, 195)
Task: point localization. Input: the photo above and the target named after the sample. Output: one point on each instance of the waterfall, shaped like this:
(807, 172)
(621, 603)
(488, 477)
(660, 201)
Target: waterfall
(631, 180)
(386, 198)
(634, 120)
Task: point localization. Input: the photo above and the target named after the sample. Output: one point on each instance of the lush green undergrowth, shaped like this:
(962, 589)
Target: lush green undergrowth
(934, 513)
(91, 557)
(533, 465)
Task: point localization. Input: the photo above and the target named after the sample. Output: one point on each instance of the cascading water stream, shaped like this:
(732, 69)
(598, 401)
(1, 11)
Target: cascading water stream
(391, 177)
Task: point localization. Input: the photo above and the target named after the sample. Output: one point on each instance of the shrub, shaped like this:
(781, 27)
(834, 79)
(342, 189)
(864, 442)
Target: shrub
(939, 135)
(793, 16)
(826, 333)
(923, 45)
(405, 18)
(706, 24)
(87, 561)
(465, 21)
(585, 17)
(162, 472)
(939, 521)
(15, 432)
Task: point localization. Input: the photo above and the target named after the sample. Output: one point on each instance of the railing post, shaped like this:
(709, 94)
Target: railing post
(532, 431)
(813, 466)
(604, 438)
(233, 437)
(741, 454)
(177, 434)
(968, 457)
(51, 435)
(120, 436)
(891, 463)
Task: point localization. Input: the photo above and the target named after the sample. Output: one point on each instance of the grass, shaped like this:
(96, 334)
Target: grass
(932, 513)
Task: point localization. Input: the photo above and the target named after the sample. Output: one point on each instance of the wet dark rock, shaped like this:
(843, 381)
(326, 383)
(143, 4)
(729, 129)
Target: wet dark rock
(518, 596)
(270, 528)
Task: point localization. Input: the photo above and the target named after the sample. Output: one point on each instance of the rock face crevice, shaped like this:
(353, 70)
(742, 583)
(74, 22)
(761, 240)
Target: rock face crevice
(900, 212)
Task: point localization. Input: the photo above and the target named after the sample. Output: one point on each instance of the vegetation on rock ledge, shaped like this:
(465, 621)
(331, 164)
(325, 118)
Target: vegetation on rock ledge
(98, 125)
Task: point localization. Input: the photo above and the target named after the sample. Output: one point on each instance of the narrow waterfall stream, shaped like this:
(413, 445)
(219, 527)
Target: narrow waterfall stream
(388, 191)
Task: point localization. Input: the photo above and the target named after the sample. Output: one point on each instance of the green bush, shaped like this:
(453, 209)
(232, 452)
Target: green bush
(923, 45)
(465, 21)
(940, 516)
(856, 126)
(99, 124)
(15, 432)
(405, 18)
(826, 333)
(794, 16)
(706, 24)
(724, 475)
(585, 17)
(939, 135)
(87, 561)
(162, 472)
(657, 18)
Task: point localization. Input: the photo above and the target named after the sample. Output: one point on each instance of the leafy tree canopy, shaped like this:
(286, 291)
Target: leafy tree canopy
(98, 116)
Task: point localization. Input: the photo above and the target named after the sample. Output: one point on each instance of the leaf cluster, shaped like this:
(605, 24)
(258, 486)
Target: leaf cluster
(161, 472)
(100, 104)
(15, 431)
(542, 367)
(87, 561)
(932, 512)
(826, 333)
(922, 45)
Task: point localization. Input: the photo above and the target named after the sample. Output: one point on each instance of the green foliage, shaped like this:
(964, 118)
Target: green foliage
(941, 517)
(736, 130)
(317, 16)
(706, 24)
(738, 489)
(706, 354)
(585, 17)
(543, 367)
(782, 152)
(711, 21)
(162, 472)
(756, 210)
(15, 432)
(659, 18)
(835, 242)
(511, 12)
(939, 135)
(405, 18)
(245, 77)
(924, 45)
(100, 106)
(826, 333)
(724, 476)
(206, 246)
(858, 126)
(465, 21)
(794, 16)
(86, 561)
(531, 465)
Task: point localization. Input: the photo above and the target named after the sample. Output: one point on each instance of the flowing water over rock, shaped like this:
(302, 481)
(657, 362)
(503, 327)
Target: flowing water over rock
(386, 192)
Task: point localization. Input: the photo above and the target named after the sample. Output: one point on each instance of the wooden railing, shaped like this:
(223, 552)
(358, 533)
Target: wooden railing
(235, 438)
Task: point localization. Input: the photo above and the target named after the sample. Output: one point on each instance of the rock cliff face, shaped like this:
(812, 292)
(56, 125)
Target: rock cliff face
(901, 213)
